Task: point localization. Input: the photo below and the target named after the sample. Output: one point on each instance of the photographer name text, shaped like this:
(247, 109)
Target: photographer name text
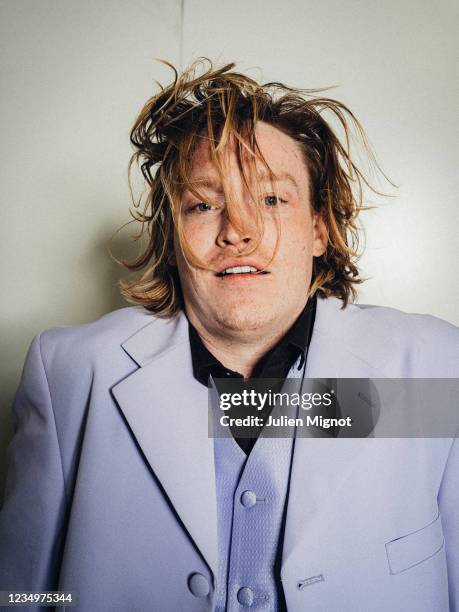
(284, 421)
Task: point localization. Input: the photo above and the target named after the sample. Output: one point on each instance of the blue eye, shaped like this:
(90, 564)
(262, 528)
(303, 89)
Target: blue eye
(202, 207)
(271, 200)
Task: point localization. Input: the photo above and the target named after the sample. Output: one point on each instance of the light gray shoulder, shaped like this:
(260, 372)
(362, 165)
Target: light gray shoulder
(427, 345)
(405, 323)
(380, 320)
(97, 338)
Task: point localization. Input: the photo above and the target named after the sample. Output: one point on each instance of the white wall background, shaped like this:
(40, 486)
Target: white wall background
(75, 73)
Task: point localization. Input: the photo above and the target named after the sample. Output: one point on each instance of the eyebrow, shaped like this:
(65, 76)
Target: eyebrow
(282, 176)
(215, 183)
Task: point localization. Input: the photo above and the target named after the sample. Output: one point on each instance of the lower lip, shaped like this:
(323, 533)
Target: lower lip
(242, 277)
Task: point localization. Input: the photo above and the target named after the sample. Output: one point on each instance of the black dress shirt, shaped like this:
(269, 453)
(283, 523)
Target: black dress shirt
(275, 364)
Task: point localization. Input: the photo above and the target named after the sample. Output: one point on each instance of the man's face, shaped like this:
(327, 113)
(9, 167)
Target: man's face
(231, 303)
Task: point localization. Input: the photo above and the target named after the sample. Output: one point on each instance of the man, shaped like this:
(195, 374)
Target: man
(115, 490)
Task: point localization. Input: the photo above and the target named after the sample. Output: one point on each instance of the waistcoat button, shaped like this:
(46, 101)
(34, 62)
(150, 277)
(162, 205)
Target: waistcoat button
(198, 585)
(248, 499)
(245, 596)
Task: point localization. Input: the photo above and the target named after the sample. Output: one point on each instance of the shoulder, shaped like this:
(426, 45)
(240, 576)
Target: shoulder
(384, 319)
(406, 325)
(421, 345)
(97, 340)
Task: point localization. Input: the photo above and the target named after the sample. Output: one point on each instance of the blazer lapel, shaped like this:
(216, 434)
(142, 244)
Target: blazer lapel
(167, 411)
(320, 465)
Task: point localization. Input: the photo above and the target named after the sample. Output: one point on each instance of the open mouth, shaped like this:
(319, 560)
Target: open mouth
(241, 270)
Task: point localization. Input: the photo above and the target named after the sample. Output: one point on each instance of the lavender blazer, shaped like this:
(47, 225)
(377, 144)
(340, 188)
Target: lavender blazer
(110, 488)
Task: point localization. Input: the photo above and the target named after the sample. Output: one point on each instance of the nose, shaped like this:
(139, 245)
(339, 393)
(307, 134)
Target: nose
(230, 236)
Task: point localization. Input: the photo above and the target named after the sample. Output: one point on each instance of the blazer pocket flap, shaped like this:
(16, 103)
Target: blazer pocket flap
(416, 547)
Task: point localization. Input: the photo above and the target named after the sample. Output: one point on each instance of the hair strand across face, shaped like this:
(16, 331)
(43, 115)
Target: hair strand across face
(224, 106)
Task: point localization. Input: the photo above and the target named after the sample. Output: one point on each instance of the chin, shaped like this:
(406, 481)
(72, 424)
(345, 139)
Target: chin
(243, 319)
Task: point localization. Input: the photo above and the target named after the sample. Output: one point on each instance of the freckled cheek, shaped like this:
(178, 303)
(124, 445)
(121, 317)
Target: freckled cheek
(194, 233)
(303, 239)
(200, 239)
(295, 256)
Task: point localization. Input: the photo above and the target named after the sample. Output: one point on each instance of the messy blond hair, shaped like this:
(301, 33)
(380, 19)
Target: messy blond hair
(219, 104)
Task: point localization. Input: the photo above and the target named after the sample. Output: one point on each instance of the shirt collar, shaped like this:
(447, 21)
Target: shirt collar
(276, 363)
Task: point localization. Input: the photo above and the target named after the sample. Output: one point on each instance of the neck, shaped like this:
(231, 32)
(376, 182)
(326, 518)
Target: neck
(240, 351)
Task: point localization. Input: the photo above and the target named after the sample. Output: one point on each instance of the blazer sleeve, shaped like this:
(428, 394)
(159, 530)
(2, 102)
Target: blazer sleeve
(449, 509)
(33, 512)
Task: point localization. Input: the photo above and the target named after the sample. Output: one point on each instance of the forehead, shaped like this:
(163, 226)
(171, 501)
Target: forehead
(281, 152)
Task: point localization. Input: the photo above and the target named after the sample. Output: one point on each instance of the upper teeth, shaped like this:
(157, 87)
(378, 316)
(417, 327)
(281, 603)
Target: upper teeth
(239, 270)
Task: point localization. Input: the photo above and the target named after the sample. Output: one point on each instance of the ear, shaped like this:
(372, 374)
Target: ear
(320, 235)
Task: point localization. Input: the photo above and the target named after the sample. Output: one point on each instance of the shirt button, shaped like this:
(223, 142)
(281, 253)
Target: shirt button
(248, 499)
(245, 596)
(198, 585)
